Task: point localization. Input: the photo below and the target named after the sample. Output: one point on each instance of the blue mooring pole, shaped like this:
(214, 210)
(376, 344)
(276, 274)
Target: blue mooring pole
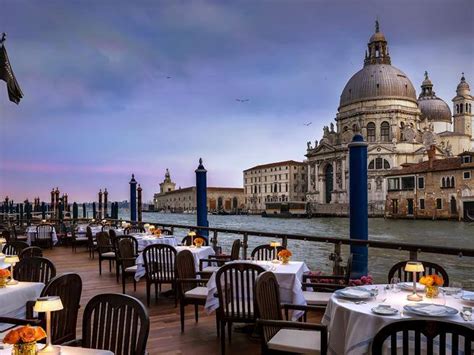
(358, 204)
(201, 198)
(133, 199)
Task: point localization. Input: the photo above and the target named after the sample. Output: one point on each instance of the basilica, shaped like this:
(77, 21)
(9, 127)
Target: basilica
(380, 102)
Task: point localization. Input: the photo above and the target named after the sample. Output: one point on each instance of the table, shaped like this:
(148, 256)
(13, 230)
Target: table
(6, 349)
(352, 327)
(31, 235)
(289, 278)
(198, 254)
(145, 240)
(13, 299)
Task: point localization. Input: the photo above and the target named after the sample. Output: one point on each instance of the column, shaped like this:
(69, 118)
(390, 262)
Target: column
(343, 162)
(201, 198)
(133, 199)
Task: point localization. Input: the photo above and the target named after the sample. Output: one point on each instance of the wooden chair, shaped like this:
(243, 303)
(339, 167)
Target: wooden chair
(235, 284)
(78, 239)
(31, 252)
(44, 235)
(188, 241)
(159, 260)
(105, 250)
(91, 242)
(64, 322)
(34, 270)
(165, 231)
(7, 235)
(279, 336)
(19, 233)
(126, 255)
(266, 252)
(14, 247)
(114, 241)
(215, 261)
(398, 270)
(190, 289)
(134, 229)
(433, 333)
(127, 335)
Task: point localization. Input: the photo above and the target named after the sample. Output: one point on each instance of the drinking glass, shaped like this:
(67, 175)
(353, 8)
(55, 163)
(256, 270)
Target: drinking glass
(381, 295)
(394, 284)
(457, 289)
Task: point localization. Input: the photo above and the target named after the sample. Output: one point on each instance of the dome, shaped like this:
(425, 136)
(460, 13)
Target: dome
(434, 109)
(378, 81)
(463, 87)
(377, 37)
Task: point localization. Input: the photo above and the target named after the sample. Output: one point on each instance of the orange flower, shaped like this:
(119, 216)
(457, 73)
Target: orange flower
(199, 241)
(13, 337)
(39, 333)
(427, 280)
(4, 273)
(438, 280)
(285, 253)
(27, 334)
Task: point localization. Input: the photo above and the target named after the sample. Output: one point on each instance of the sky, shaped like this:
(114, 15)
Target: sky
(113, 87)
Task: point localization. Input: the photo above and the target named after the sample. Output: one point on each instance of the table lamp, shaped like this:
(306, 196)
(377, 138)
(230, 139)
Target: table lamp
(12, 260)
(192, 235)
(275, 245)
(2, 241)
(414, 266)
(47, 305)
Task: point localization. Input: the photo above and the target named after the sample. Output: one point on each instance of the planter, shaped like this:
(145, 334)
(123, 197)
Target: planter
(3, 281)
(431, 291)
(285, 260)
(24, 349)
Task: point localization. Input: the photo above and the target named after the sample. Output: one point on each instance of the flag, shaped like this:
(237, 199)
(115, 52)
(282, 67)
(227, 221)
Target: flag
(6, 74)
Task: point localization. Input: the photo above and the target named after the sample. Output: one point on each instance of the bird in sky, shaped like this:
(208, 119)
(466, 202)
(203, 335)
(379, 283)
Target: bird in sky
(242, 100)
(168, 77)
(308, 124)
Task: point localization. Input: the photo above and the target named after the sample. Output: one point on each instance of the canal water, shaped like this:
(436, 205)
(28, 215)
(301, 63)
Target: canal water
(316, 255)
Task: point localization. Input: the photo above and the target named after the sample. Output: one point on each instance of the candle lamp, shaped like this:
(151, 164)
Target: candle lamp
(275, 245)
(47, 305)
(12, 260)
(2, 241)
(192, 235)
(414, 267)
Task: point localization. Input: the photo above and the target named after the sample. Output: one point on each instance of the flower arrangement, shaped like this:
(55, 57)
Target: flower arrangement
(364, 280)
(198, 242)
(431, 282)
(4, 275)
(24, 339)
(284, 256)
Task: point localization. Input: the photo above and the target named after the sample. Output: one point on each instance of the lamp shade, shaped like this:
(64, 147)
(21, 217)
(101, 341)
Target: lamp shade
(12, 259)
(48, 304)
(414, 266)
(3, 240)
(146, 225)
(192, 234)
(275, 244)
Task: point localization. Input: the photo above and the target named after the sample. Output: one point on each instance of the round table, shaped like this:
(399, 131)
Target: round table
(352, 327)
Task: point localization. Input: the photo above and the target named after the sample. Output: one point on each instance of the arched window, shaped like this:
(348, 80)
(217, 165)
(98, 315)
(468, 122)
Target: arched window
(354, 127)
(402, 126)
(255, 189)
(345, 128)
(452, 181)
(378, 163)
(467, 108)
(443, 182)
(372, 165)
(386, 164)
(457, 108)
(371, 132)
(385, 131)
(460, 108)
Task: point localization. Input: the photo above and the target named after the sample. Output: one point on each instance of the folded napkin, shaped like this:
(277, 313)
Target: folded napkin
(354, 292)
(432, 310)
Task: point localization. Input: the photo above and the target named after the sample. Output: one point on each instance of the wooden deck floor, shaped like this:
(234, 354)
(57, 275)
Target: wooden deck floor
(165, 335)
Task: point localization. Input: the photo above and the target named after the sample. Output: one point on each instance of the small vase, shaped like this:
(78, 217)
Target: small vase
(285, 260)
(24, 349)
(3, 282)
(431, 291)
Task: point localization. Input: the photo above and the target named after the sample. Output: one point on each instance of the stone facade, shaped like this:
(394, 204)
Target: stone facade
(380, 103)
(275, 182)
(219, 199)
(434, 189)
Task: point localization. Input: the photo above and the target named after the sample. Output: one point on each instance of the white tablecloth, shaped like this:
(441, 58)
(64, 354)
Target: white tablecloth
(31, 234)
(145, 240)
(352, 327)
(6, 349)
(289, 278)
(198, 253)
(13, 299)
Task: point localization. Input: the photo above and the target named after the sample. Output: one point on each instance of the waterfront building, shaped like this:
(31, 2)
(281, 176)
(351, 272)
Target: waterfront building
(219, 199)
(283, 181)
(380, 102)
(434, 189)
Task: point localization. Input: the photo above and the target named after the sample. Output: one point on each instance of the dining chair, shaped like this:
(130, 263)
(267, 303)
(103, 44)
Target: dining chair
(31, 252)
(127, 335)
(44, 235)
(114, 240)
(91, 242)
(266, 252)
(64, 322)
(19, 233)
(78, 239)
(126, 253)
(7, 235)
(159, 261)
(14, 247)
(105, 250)
(235, 290)
(188, 240)
(278, 335)
(216, 261)
(424, 336)
(136, 228)
(398, 270)
(36, 269)
(191, 290)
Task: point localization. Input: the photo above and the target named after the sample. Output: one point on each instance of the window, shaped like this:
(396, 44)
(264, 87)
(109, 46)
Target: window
(371, 132)
(386, 164)
(385, 131)
(421, 182)
(467, 159)
(443, 182)
(393, 184)
(422, 203)
(395, 206)
(466, 175)
(439, 204)
(408, 183)
(378, 163)
(452, 181)
(372, 165)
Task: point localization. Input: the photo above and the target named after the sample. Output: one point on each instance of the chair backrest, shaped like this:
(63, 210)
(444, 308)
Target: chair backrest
(235, 289)
(126, 252)
(34, 269)
(115, 322)
(347, 275)
(165, 231)
(112, 234)
(90, 237)
(134, 229)
(235, 251)
(267, 296)
(159, 260)
(132, 239)
(44, 232)
(398, 270)
(7, 235)
(188, 240)
(185, 269)
(31, 252)
(430, 334)
(103, 242)
(64, 322)
(14, 247)
(266, 252)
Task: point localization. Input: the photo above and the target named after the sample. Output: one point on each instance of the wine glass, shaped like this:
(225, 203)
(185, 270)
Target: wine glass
(456, 286)
(394, 284)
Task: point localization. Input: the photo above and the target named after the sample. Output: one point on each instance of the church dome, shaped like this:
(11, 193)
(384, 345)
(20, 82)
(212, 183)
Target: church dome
(432, 107)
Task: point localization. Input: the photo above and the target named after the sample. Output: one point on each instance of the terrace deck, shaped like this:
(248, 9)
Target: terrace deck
(165, 335)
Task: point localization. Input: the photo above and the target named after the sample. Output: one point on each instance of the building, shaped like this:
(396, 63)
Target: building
(380, 102)
(219, 199)
(283, 181)
(434, 189)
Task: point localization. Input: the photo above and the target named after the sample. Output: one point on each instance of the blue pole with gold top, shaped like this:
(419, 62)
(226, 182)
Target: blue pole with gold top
(133, 199)
(358, 204)
(201, 198)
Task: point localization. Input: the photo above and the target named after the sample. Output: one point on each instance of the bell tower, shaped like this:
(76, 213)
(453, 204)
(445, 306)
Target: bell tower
(167, 185)
(462, 108)
(377, 52)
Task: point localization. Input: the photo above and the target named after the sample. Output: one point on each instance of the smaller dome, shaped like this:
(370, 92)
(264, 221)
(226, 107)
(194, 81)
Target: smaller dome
(434, 109)
(463, 86)
(378, 37)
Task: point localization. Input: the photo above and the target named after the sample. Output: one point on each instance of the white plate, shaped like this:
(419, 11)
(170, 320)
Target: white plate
(451, 290)
(408, 286)
(385, 311)
(468, 298)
